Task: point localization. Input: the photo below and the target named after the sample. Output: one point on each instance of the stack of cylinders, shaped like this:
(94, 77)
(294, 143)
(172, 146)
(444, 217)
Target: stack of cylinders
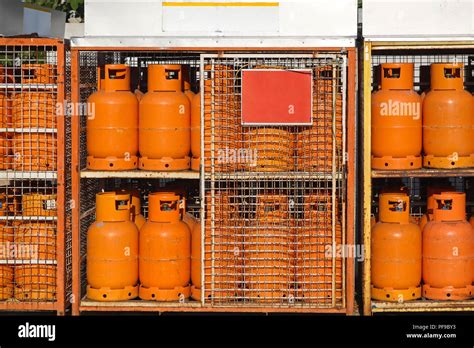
(269, 253)
(315, 144)
(223, 247)
(36, 281)
(268, 150)
(314, 268)
(222, 128)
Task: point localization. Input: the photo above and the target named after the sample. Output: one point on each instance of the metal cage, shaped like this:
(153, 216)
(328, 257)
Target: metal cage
(421, 54)
(35, 272)
(312, 183)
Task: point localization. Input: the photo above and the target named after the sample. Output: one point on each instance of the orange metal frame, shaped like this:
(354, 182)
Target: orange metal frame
(351, 180)
(60, 304)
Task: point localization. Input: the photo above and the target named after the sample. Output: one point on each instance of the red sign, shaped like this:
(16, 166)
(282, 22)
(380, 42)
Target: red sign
(277, 97)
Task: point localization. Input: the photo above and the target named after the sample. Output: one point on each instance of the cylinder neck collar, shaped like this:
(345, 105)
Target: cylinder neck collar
(397, 76)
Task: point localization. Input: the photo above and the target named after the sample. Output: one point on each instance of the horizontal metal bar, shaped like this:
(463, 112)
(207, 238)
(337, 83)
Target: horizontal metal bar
(28, 218)
(28, 262)
(28, 130)
(423, 306)
(12, 174)
(28, 86)
(28, 306)
(274, 175)
(422, 173)
(209, 43)
(193, 306)
(137, 174)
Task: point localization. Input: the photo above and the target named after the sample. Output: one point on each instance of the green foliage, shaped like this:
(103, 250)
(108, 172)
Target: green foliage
(58, 4)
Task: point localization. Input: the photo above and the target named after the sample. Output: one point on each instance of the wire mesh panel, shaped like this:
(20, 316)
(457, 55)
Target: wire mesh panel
(274, 196)
(32, 174)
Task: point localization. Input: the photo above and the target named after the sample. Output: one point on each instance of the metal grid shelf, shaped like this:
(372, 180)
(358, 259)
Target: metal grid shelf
(20, 175)
(28, 262)
(28, 130)
(422, 306)
(422, 173)
(132, 304)
(29, 86)
(28, 218)
(188, 306)
(139, 174)
(274, 176)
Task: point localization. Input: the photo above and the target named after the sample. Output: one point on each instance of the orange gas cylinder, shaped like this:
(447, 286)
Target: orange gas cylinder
(196, 132)
(6, 271)
(35, 204)
(223, 247)
(186, 86)
(314, 272)
(5, 111)
(448, 120)
(6, 282)
(269, 263)
(196, 263)
(396, 120)
(32, 152)
(112, 131)
(396, 251)
(190, 220)
(35, 241)
(6, 155)
(268, 150)
(112, 250)
(269, 252)
(38, 74)
(430, 203)
(448, 250)
(165, 250)
(136, 207)
(315, 145)
(222, 124)
(35, 282)
(34, 109)
(165, 121)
